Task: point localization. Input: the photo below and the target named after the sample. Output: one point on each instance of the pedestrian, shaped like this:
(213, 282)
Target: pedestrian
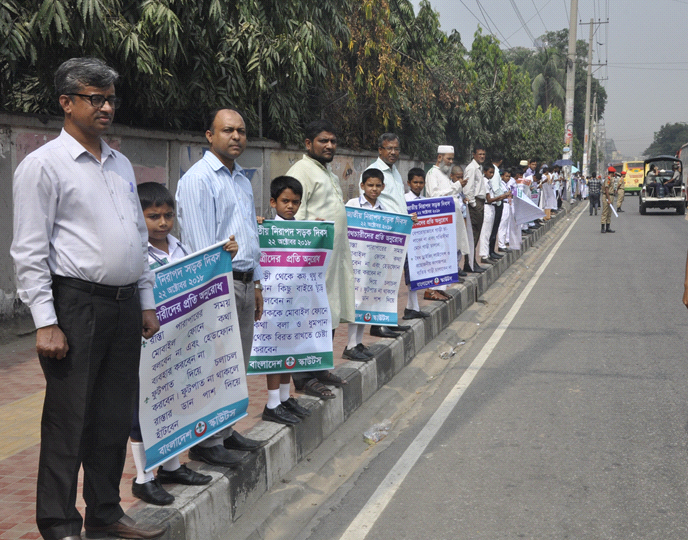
(215, 201)
(620, 191)
(475, 192)
(498, 188)
(608, 200)
(392, 198)
(505, 224)
(323, 199)
(372, 184)
(79, 250)
(594, 191)
(285, 198)
(157, 204)
(416, 183)
(486, 249)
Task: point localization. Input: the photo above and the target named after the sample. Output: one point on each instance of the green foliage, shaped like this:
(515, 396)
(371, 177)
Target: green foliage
(668, 140)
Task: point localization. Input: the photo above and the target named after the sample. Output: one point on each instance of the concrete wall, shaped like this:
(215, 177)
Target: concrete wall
(156, 156)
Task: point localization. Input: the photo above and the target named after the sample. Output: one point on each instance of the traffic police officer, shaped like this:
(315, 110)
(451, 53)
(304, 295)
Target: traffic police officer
(608, 200)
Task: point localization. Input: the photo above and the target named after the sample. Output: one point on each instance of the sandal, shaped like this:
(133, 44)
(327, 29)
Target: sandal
(431, 294)
(315, 388)
(328, 377)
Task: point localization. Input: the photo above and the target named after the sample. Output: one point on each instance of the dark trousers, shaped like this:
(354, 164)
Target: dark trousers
(594, 201)
(495, 227)
(477, 213)
(87, 411)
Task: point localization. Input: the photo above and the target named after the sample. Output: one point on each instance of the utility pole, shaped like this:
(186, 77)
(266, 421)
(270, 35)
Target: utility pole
(594, 134)
(570, 87)
(588, 88)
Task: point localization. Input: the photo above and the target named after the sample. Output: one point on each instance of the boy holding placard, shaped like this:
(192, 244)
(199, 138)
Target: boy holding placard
(372, 184)
(416, 184)
(285, 198)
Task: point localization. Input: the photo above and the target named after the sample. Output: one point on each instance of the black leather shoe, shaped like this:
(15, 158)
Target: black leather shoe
(280, 415)
(236, 441)
(183, 475)
(413, 314)
(125, 528)
(383, 331)
(487, 260)
(218, 455)
(400, 328)
(477, 269)
(609, 229)
(462, 273)
(151, 492)
(355, 354)
(495, 256)
(295, 408)
(461, 280)
(362, 348)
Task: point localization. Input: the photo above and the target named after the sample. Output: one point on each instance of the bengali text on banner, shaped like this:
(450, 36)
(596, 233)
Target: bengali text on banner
(295, 331)
(192, 377)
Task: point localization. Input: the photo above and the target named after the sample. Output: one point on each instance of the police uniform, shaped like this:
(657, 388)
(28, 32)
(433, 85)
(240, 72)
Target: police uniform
(620, 192)
(607, 201)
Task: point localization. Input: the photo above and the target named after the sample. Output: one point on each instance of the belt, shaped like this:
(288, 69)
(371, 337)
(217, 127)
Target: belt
(244, 277)
(123, 292)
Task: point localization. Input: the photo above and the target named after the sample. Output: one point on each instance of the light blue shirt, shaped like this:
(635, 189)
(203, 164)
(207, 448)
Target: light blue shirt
(214, 203)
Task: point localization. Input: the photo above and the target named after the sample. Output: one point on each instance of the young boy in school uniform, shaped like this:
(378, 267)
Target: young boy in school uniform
(372, 184)
(416, 183)
(157, 204)
(285, 198)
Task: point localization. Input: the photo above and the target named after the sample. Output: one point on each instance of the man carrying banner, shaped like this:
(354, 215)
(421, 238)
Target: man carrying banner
(323, 199)
(215, 201)
(392, 200)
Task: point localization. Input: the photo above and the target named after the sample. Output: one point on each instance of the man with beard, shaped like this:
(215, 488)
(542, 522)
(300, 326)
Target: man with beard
(323, 200)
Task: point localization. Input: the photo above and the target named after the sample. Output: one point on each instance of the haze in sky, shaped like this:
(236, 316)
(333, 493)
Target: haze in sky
(645, 46)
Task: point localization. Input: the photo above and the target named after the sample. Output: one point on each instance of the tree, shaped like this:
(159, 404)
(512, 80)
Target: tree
(668, 139)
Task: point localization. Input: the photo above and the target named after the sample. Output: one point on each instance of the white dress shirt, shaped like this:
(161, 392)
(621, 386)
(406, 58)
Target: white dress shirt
(158, 257)
(392, 197)
(362, 202)
(77, 217)
(411, 196)
(214, 203)
(475, 187)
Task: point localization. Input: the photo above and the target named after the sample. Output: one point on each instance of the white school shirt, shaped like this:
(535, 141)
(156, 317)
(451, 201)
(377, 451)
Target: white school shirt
(411, 196)
(158, 257)
(362, 202)
(392, 197)
(80, 218)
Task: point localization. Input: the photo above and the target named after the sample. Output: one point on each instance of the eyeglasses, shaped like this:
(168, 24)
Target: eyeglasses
(98, 100)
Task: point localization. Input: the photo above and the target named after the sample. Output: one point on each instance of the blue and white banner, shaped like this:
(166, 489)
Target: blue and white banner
(432, 250)
(192, 377)
(378, 243)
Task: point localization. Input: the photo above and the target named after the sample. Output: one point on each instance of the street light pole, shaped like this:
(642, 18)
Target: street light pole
(570, 86)
(588, 89)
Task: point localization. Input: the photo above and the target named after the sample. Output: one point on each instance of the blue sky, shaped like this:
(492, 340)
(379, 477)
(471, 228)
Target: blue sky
(645, 46)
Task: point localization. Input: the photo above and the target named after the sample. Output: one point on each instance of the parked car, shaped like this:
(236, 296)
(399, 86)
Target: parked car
(663, 185)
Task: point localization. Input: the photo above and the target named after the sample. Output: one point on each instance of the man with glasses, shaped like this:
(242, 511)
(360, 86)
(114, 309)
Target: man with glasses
(80, 252)
(392, 200)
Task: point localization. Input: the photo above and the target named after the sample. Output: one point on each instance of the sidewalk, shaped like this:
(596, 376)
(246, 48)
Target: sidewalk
(199, 512)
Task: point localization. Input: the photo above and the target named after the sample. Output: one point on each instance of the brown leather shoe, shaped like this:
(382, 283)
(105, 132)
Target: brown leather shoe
(125, 528)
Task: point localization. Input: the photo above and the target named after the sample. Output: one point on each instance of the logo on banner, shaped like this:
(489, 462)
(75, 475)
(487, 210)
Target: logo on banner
(367, 317)
(290, 362)
(436, 281)
(200, 428)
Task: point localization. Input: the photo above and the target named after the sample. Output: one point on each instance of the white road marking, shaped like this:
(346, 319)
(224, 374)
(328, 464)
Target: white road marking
(366, 518)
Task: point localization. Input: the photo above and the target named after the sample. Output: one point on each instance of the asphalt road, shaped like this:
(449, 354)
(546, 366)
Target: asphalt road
(573, 427)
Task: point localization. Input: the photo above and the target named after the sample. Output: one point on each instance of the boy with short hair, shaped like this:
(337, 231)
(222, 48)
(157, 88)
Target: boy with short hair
(372, 184)
(157, 204)
(285, 198)
(416, 183)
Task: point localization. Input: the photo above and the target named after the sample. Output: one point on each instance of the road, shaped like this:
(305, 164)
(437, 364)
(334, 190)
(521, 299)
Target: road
(570, 423)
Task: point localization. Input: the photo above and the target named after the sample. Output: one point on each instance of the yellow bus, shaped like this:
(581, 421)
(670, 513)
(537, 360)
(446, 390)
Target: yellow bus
(634, 176)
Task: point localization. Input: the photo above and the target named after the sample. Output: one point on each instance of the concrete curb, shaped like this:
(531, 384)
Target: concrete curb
(207, 511)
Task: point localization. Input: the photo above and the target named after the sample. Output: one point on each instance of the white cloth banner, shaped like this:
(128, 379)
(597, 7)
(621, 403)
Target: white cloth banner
(525, 210)
(192, 377)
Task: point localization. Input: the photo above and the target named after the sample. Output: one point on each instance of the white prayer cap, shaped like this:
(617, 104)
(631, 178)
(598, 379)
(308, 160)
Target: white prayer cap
(524, 163)
(445, 149)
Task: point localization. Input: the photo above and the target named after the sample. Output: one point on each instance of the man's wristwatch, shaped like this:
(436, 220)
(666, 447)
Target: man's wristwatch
(258, 286)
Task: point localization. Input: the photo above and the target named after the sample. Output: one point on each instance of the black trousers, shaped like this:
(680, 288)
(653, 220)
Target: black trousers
(87, 411)
(495, 226)
(477, 213)
(594, 201)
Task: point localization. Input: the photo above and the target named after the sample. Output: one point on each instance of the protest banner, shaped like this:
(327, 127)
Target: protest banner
(525, 209)
(378, 241)
(295, 331)
(432, 249)
(192, 377)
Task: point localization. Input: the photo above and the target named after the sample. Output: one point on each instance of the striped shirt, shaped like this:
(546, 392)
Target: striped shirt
(214, 203)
